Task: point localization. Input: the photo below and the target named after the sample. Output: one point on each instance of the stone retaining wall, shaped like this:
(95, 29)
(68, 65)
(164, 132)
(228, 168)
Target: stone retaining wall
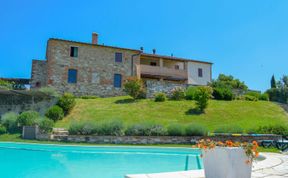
(155, 86)
(150, 139)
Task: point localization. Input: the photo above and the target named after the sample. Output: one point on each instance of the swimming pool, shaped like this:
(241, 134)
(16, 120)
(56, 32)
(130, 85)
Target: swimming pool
(19, 160)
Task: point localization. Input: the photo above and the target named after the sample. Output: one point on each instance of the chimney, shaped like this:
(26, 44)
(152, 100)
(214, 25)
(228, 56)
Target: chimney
(154, 51)
(94, 38)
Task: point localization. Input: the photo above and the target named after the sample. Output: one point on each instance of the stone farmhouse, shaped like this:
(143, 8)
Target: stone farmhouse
(95, 69)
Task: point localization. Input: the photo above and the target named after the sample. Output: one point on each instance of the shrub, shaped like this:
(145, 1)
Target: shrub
(222, 93)
(229, 129)
(28, 118)
(88, 97)
(195, 130)
(5, 85)
(134, 87)
(112, 127)
(75, 128)
(67, 102)
(254, 94)
(46, 125)
(2, 129)
(9, 121)
(146, 129)
(142, 94)
(49, 91)
(178, 93)
(175, 130)
(191, 93)
(202, 97)
(55, 113)
(264, 97)
(160, 97)
(273, 129)
(250, 98)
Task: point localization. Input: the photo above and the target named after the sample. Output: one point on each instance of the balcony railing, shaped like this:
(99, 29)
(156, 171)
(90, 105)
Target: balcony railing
(164, 72)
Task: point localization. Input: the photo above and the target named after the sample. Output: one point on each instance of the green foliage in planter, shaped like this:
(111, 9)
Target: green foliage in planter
(175, 130)
(191, 93)
(195, 130)
(160, 97)
(229, 129)
(178, 94)
(67, 102)
(28, 118)
(9, 120)
(146, 129)
(3, 129)
(55, 113)
(46, 125)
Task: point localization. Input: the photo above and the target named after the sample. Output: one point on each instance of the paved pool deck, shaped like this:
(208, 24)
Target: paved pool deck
(274, 166)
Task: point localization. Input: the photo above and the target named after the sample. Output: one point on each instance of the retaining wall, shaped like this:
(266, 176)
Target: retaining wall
(150, 139)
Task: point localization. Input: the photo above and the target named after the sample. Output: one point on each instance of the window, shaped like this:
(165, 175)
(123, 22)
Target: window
(177, 67)
(72, 76)
(200, 72)
(153, 64)
(118, 57)
(73, 51)
(117, 80)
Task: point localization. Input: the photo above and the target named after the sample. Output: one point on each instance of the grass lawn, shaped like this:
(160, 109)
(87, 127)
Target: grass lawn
(246, 114)
(17, 138)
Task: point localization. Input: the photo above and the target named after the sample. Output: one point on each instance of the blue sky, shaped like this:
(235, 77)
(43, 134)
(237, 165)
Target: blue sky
(246, 38)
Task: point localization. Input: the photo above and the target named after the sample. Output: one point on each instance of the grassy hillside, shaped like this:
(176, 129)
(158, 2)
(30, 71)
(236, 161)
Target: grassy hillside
(247, 114)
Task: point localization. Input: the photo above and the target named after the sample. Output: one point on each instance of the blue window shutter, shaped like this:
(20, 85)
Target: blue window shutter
(118, 57)
(72, 76)
(117, 80)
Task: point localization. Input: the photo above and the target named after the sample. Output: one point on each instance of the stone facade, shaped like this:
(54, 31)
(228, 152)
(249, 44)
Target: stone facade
(155, 86)
(96, 66)
(38, 73)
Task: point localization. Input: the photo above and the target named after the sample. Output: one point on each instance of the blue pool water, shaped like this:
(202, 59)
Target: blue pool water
(19, 160)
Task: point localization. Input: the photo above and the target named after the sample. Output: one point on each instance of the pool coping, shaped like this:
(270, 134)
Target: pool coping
(274, 165)
(99, 145)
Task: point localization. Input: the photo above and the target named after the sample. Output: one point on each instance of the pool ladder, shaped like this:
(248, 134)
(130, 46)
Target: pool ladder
(197, 161)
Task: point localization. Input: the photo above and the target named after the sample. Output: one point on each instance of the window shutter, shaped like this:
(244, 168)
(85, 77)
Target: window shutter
(118, 57)
(117, 80)
(72, 76)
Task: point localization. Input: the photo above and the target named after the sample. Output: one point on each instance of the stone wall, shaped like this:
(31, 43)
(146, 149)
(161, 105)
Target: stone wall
(95, 67)
(155, 86)
(19, 101)
(151, 139)
(38, 73)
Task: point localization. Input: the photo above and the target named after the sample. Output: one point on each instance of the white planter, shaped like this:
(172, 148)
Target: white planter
(226, 162)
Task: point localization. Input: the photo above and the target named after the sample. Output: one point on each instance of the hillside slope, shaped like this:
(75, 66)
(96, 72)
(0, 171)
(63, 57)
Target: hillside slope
(247, 114)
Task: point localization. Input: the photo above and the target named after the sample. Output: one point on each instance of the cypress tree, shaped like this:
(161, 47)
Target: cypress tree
(273, 82)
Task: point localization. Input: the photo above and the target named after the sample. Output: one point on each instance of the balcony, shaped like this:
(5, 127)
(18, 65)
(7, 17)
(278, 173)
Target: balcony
(161, 72)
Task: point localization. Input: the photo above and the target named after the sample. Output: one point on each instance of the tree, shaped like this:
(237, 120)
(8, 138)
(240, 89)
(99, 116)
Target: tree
(134, 87)
(273, 82)
(228, 81)
(202, 97)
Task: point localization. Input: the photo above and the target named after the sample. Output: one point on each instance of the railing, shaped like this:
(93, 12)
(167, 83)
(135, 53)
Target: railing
(163, 71)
